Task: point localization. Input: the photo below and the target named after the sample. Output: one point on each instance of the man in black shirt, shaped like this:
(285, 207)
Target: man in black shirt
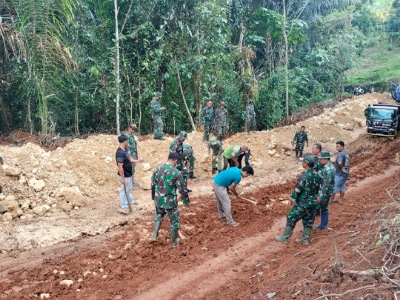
(125, 172)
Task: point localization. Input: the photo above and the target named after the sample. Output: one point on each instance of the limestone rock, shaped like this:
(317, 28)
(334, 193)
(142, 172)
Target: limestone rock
(2, 209)
(272, 152)
(10, 203)
(65, 206)
(108, 159)
(7, 217)
(74, 198)
(41, 210)
(67, 282)
(44, 296)
(12, 172)
(37, 185)
(146, 167)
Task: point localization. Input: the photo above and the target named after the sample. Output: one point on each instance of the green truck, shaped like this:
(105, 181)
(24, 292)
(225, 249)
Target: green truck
(383, 119)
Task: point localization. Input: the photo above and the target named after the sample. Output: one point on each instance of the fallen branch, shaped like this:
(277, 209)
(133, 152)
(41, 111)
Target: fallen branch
(348, 292)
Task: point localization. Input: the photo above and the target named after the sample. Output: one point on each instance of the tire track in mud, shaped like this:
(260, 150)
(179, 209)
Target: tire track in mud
(210, 259)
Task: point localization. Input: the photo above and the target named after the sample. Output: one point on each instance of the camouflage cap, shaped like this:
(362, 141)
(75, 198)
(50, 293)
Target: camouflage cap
(222, 103)
(309, 160)
(324, 154)
(157, 94)
(182, 135)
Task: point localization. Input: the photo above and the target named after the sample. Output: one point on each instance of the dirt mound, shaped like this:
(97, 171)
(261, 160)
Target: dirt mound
(219, 262)
(40, 183)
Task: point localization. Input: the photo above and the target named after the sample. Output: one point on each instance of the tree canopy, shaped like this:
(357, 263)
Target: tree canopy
(59, 60)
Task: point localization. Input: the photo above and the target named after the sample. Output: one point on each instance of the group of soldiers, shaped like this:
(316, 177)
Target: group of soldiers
(315, 188)
(213, 121)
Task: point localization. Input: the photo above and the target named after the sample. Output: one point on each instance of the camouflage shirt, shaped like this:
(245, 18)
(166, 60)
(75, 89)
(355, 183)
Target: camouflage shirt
(156, 108)
(132, 145)
(207, 115)
(306, 188)
(188, 151)
(317, 166)
(164, 182)
(250, 113)
(215, 146)
(177, 146)
(221, 117)
(327, 182)
(300, 137)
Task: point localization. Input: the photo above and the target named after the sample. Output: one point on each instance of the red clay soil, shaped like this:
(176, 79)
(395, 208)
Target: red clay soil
(215, 261)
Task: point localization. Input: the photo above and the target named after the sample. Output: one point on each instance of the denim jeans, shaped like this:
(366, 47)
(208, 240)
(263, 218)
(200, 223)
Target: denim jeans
(123, 203)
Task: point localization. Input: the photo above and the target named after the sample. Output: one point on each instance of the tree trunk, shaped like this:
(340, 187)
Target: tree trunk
(286, 61)
(117, 80)
(77, 112)
(184, 100)
(29, 115)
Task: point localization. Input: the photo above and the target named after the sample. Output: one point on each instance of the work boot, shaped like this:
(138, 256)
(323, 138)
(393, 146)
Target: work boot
(174, 237)
(157, 226)
(287, 233)
(214, 170)
(191, 175)
(305, 236)
(324, 221)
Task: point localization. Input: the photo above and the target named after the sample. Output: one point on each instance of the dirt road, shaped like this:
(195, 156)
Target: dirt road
(219, 262)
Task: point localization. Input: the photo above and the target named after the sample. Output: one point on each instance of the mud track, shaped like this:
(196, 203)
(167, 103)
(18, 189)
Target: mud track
(215, 261)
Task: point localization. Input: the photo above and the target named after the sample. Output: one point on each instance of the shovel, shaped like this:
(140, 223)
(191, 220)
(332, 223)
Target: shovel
(248, 200)
(127, 199)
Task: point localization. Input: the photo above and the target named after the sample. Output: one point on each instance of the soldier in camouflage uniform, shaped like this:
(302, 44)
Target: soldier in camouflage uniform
(221, 121)
(326, 188)
(132, 147)
(304, 196)
(156, 113)
(189, 158)
(164, 182)
(250, 117)
(299, 138)
(177, 146)
(207, 118)
(217, 154)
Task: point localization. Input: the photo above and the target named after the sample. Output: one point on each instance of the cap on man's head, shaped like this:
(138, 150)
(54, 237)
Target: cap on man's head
(324, 154)
(182, 135)
(309, 160)
(222, 103)
(157, 94)
(122, 138)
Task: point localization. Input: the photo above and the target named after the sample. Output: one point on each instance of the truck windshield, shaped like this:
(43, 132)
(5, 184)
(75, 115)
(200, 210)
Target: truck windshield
(382, 113)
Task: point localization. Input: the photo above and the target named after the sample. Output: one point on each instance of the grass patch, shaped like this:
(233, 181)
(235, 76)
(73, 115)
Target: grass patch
(379, 65)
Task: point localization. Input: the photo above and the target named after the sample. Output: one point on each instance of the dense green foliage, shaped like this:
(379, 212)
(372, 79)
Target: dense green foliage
(58, 58)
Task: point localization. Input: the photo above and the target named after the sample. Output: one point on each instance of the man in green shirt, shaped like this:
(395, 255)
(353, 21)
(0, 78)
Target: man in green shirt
(232, 154)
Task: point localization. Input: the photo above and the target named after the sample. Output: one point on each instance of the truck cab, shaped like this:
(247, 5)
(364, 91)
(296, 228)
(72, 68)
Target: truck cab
(383, 119)
(396, 92)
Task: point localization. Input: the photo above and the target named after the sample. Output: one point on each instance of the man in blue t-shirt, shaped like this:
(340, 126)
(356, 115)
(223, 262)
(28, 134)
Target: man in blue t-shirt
(226, 181)
(342, 172)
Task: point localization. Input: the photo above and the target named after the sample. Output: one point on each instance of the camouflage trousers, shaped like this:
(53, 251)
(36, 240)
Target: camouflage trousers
(173, 216)
(324, 206)
(220, 132)
(299, 149)
(182, 168)
(191, 160)
(158, 127)
(251, 124)
(217, 161)
(207, 131)
(302, 211)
